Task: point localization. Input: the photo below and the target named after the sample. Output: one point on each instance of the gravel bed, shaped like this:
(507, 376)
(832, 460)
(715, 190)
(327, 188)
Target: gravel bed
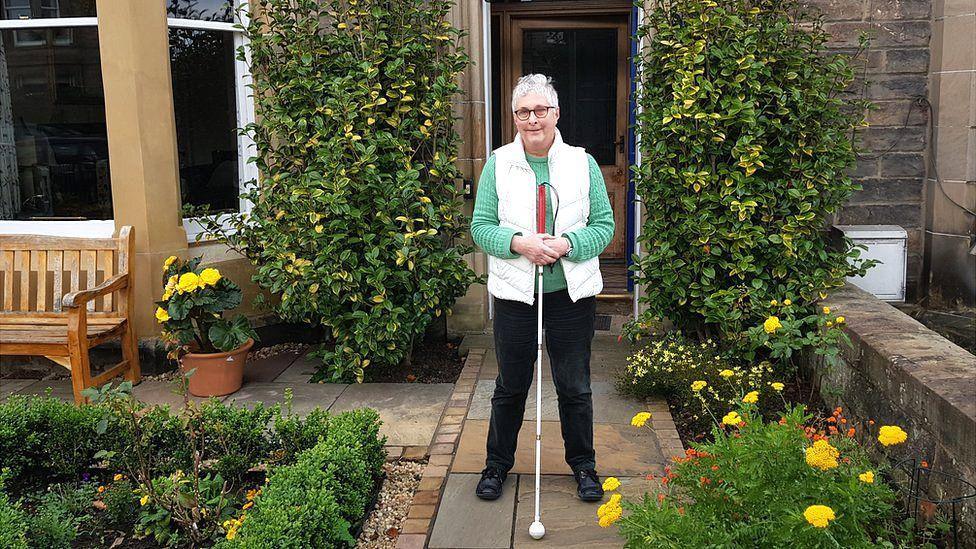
(383, 525)
(273, 350)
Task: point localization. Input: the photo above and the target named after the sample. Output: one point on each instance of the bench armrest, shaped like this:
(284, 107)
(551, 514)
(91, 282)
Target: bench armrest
(79, 298)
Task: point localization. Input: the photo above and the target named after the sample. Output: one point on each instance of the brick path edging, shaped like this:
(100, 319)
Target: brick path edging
(423, 508)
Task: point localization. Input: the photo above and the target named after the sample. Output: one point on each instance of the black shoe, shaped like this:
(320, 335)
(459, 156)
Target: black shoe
(588, 486)
(490, 485)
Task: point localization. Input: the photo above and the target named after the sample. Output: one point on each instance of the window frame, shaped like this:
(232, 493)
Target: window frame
(247, 171)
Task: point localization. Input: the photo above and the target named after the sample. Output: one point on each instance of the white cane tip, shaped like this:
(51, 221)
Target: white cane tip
(537, 530)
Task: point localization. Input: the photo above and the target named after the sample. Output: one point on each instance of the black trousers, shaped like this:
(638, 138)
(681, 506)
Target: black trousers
(568, 329)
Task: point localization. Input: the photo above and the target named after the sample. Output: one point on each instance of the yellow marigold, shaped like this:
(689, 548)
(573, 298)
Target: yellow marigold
(732, 418)
(209, 276)
(162, 314)
(188, 282)
(787, 302)
(840, 320)
(867, 476)
(772, 324)
(890, 435)
(640, 419)
(118, 477)
(819, 515)
(726, 373)
(830, 324)
(774, 303)
(751, 397)
(826, 310)
(777, 386)
(610, 517)
(169, 261)
(144, 500)
(611, 483)
(822, 455)
(698, 386)
(101, 489)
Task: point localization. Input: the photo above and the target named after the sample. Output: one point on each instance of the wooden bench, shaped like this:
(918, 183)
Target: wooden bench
(61, 296)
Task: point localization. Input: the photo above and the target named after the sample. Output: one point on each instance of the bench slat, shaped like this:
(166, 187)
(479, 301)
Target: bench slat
(72, 264)
(43, 242)
(39, 264)
(54, 259)
(106, 264)
(35, 319)
(22, 266)
(7, 267)
(88, 265)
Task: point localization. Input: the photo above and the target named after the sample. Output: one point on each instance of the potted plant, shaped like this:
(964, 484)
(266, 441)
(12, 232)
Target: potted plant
(212, 347)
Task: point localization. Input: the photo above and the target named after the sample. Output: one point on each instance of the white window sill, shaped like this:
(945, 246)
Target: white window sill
(102, 228)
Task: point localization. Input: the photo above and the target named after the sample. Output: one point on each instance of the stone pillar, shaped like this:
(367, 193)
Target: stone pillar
(949, 235)
(134, 45)
(470, 313)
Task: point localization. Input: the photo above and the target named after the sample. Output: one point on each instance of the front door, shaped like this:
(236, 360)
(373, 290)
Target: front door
(586, 57)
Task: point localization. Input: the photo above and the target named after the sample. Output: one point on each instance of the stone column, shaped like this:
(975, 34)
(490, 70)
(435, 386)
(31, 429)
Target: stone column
(134, 45)
(949, 234)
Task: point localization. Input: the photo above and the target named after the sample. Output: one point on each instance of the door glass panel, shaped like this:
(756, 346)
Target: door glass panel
(583, 67)
(202, 10)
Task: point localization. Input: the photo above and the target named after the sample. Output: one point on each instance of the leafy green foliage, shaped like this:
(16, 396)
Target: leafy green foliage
(751, 487)
(746, 137)
(193, 306)
(236, 437)
(181, 507)
(58, 515)
(357, 222)
(13, 523)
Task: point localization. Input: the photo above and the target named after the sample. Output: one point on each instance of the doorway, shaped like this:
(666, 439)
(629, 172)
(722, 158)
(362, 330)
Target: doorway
(585, 48)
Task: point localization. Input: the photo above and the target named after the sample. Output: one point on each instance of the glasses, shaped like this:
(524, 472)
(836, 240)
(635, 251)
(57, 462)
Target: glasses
(540, 112)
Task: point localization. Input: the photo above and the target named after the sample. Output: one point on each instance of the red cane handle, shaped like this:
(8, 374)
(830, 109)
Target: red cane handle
(540, 222)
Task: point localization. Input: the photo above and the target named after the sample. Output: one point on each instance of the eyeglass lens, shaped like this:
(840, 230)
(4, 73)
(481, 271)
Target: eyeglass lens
(540, 112)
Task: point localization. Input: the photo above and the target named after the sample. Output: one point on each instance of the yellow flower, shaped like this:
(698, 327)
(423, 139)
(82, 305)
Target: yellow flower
(826, 310)
(772, 324)
(751, 397)
(726, 373)
(162, 314)
(169, 261)
(101, 489)
(830, 324)
(188, 282)
(890, 435)
(819, 515)
(610, 517)
(867, 476)
(840, 320)
(168, 293)
(611, 483)
(144, 500)
(615, 499)
(777, 386)
(640, 419)
(732, 418)
(117, 477)
(209, 276)
(248, 505)
(822, 455)
(698, 386)
(787, 302)
(774, 303)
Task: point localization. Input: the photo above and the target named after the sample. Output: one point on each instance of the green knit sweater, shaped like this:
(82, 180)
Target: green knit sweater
(588, 242)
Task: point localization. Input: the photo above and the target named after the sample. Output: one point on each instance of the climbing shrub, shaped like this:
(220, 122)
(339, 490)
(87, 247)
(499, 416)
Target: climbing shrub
(746, 140)
(357, 218)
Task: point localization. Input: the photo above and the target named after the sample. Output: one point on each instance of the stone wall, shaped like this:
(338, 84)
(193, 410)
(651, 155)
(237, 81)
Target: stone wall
(899, 372)
(892, 167)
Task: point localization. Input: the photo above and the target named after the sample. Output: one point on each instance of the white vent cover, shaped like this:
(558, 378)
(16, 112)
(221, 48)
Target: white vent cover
(889, 245)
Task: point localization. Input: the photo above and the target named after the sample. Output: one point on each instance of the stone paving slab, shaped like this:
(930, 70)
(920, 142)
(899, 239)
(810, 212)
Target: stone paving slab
(465, 521)
(10, 386)
(305, 398)
(603, 365)
(300, 371)
(409, 411)
(569, 521)
(60, 388)
(162, 393)
(608, 405)
(263, 370)
(621, 450)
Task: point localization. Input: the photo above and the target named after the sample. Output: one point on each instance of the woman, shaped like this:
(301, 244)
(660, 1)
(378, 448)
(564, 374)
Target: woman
(579, 226)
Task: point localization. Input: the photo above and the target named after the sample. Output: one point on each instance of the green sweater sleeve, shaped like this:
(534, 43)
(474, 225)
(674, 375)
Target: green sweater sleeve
(495, 240)
(591, 240)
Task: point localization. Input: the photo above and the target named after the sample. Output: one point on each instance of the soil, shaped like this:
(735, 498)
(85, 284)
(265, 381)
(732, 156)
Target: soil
(116, 540)
(432, 361)
(958, 325)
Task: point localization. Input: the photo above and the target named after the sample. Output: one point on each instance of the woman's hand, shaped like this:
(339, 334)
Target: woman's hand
(558, 243)
(535, 249)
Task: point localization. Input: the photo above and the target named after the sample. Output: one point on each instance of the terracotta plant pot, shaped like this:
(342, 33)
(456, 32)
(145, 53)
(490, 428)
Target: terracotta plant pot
(217, 374)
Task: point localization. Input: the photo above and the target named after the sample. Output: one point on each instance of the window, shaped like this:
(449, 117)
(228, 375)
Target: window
(53, 140)
(210, 99)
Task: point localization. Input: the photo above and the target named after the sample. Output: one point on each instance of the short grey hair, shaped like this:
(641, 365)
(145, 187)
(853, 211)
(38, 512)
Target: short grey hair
(535, 83)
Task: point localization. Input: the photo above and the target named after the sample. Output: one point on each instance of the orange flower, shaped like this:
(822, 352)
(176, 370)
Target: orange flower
(870, 422)
(925, 464)
(843, 421)
(831, 420)
(660, 498)
(714, 467)
(850, 432)
(681, 510)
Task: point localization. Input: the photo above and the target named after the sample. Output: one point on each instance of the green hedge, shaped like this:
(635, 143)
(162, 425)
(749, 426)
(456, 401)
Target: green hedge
(13, 523)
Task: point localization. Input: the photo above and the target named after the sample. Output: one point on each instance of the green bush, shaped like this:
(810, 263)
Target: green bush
(357, 223)
(57, 515)
(237, 438)
(315, 502)
(121, 505)
(44, 440)
(746, 135)
(13, 523)
(754, 487)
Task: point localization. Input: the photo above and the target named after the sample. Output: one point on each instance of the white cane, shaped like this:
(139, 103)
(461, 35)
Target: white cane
(536, 529)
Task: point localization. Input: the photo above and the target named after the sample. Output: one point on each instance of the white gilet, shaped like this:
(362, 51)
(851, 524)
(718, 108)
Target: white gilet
(515, 182)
